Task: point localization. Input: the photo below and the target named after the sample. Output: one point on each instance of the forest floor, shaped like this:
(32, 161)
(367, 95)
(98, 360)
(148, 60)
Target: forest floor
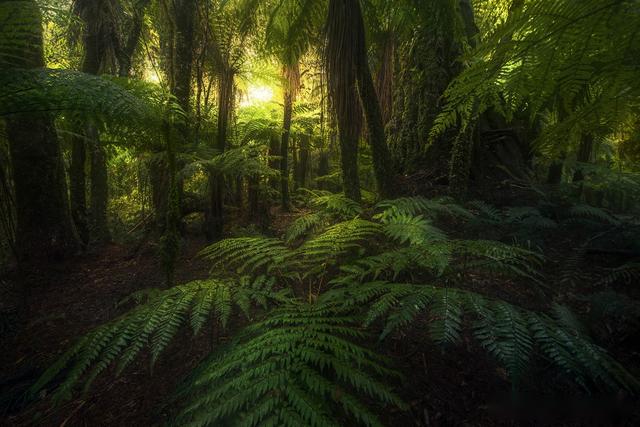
(461, 386)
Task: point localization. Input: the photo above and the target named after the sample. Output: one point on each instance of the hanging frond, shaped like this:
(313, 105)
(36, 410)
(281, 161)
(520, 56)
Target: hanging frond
(300, 366)
(152, 325)
(245, 255)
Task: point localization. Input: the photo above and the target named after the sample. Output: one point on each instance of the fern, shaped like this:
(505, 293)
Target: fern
(628, 273)
(248, 255)
(509, 333)
(413, 206)
(582, 212)
(153, 325)
(299, 366)
(337, 241)
(337, 204)
(413, 229)
(499, 258)
(303, 226)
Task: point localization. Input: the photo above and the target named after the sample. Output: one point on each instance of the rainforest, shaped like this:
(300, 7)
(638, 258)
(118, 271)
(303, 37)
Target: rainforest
(319, 213)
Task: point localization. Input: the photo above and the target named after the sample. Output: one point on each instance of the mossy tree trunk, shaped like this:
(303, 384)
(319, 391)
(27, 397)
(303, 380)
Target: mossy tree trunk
(44, 229)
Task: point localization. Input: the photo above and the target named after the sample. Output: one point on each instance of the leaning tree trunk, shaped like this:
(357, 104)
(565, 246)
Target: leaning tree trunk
(375, 125)
(371, 105)
(44, 229)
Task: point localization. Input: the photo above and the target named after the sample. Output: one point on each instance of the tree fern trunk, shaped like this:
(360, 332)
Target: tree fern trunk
(77, 186)
(460, 167)
(44, 229)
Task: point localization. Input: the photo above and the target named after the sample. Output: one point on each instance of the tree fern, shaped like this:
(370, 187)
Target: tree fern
(153, 325)
(628, 273)
(337, 241)
(248, 255)
(413, 229)
(430, 208)
(304, 225)
(299, 366)
(337, 204)
(509, 333)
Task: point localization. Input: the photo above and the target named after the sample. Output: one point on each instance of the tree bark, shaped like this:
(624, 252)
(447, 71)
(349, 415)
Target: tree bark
(375, 125)
(214, 218)
(77, 186)
(291, 77)
(126, 52)
(44, 229)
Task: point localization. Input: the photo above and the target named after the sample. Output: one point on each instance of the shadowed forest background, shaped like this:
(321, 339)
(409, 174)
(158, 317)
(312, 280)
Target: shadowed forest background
(319, 212)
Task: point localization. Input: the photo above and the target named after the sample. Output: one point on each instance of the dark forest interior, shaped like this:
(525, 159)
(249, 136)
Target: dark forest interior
(319, 212)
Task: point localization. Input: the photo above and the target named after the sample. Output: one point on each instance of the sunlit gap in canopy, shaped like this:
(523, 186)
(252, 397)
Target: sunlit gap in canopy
(256, 95)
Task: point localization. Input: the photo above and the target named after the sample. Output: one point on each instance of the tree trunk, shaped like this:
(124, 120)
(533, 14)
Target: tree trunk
(77, 186)
(99, 39)
(303, 161)
(99, 188)
(291, 75)
(342, 50)
(375, 125)
(584, 156)
(44, 229)
(274, 151)
(215, 214)
(125, 54)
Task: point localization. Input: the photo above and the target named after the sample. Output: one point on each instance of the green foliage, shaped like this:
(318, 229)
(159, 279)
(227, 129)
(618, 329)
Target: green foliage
(511, 334)
(303, 226)
(413, 229)
(300, 366)
(337, 204)
(431, 208)
(628, 273)
(248, 255)
(153, 324)
(311, 363)
(57, 91)
(243, 161)
(557, 55)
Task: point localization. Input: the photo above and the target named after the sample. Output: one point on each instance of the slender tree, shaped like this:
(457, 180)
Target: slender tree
(291, 78)
(100, 43)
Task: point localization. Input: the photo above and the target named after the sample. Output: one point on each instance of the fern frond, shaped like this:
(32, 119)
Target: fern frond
(299, 366)
(248, 255)
(153, 325)
(588, 212)
(304, 225)
(337, 204)
(498, 257)
(337, 241)
(509, 333)
(628, 273)
(413, 206)
(413, 229)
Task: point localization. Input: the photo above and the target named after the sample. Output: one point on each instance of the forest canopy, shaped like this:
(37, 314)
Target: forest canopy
(319, 212)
